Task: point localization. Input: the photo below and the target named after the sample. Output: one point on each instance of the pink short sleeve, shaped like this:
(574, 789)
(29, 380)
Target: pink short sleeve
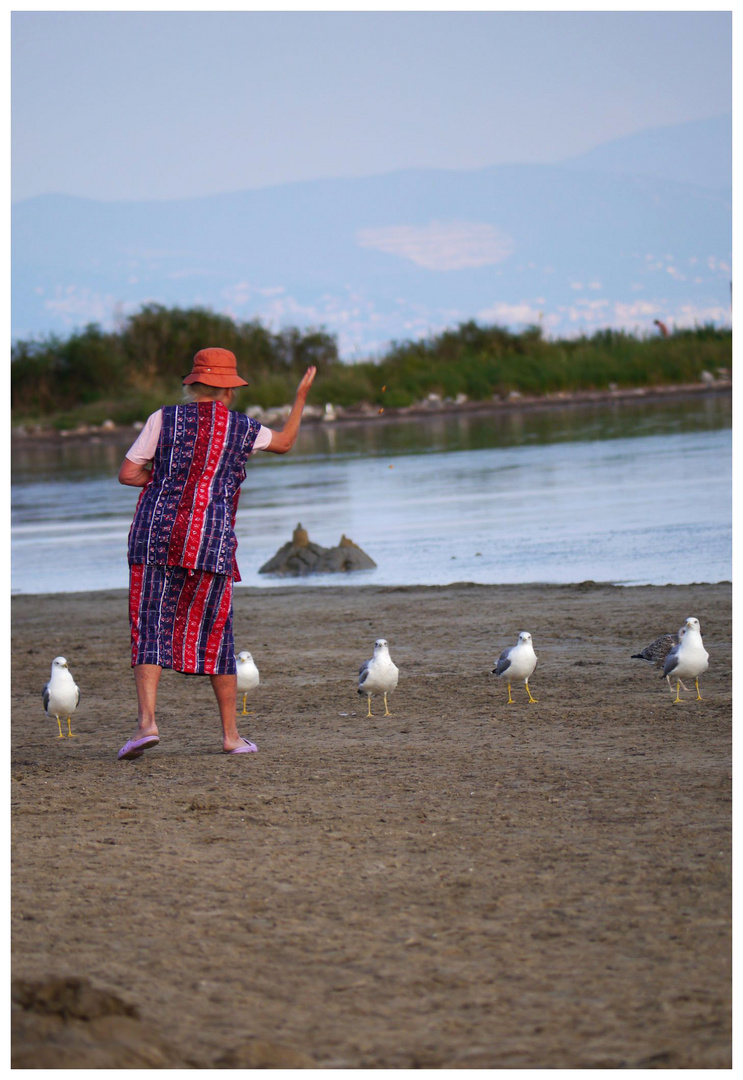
(144, 446)
(262, 439)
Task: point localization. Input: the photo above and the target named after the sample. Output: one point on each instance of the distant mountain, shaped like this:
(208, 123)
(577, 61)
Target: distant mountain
(575, 247)
(699, 152)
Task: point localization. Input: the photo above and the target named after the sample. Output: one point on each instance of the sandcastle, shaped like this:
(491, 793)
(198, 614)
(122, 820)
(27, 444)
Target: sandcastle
(301, 556)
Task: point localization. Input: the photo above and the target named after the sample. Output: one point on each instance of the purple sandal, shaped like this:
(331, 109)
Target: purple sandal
(249, 748)
(136, 747)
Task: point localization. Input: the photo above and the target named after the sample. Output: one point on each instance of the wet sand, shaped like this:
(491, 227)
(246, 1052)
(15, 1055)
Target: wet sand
(463, 884)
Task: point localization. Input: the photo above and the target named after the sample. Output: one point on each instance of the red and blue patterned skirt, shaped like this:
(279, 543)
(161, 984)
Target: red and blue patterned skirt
(181, 619)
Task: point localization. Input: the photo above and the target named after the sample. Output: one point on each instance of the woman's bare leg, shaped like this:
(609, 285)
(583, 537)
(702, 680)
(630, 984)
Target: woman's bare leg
(225, 691)
(146, 679)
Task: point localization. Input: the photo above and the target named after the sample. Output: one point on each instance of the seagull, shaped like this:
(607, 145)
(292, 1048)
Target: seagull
(518, 662)
(247, 677)
(688, 659)
(378, 675)
(657, 651)
(61, 695)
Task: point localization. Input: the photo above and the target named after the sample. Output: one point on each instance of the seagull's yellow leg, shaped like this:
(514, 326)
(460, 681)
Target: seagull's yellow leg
(533, 700)
(69, 730)
(386, 709)
(59, 723)
(368, 702)
(510, 699)
(696, 683)
(245, 711)
(677, 700)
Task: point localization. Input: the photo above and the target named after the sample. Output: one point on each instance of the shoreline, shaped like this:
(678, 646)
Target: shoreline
(294, 585)
(422, 410)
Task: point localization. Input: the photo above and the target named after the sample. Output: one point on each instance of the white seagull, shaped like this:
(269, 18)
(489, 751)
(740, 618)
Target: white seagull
(378, 675)
(61, 695)
(687, 660)
(247, 677)
(518, 662)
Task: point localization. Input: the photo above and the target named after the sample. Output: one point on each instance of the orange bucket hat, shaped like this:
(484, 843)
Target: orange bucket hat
(214, 367)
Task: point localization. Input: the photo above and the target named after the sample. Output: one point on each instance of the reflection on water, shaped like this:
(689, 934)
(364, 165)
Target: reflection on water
(612, 493)
(435, 434)
(32, 463)
(460, 431)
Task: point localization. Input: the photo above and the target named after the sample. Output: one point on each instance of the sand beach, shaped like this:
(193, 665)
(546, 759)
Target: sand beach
(463, 884)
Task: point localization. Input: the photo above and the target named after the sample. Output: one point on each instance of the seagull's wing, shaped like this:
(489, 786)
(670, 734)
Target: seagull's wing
(671, 661)
(646, 654)
(77, 695)
(504, 662)
(364, 672)
(45, 697)
(658, 650)
(668, 642)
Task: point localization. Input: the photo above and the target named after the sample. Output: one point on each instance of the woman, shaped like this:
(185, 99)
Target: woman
(190, 460)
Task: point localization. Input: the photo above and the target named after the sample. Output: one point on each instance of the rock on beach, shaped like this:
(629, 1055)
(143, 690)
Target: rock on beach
(300, 556)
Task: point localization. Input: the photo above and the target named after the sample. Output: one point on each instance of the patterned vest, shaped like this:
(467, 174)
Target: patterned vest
(186, 513)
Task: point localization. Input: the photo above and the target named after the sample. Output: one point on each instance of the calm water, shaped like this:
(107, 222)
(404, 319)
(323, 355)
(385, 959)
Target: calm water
(635, 494)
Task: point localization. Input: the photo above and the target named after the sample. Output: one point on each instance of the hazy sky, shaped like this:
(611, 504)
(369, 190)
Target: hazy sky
(138, 105)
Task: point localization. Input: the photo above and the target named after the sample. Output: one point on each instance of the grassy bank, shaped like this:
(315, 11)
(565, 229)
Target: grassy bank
(124, 375)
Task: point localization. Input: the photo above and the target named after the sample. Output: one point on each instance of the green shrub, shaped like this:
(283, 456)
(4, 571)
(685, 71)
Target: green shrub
(129, 373)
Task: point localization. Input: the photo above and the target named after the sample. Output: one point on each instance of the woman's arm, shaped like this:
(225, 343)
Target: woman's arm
(282, 441)
(132, 474)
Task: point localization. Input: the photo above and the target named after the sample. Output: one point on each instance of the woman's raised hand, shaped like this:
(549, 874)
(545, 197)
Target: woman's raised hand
(282, 441)
(306, 383)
